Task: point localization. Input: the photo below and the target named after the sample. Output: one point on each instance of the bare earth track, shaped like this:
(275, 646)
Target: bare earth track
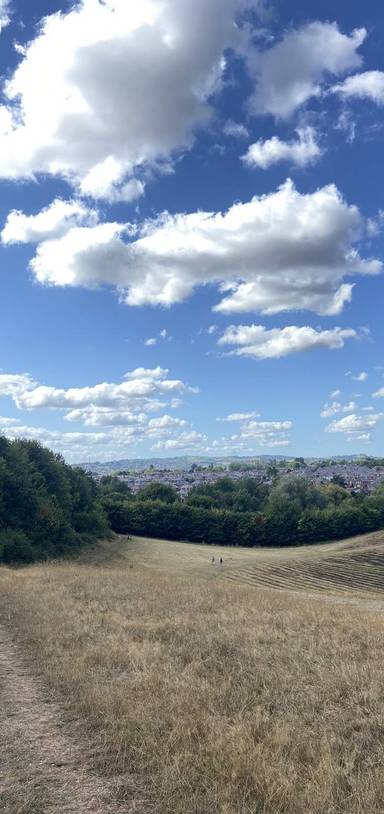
(43, 768)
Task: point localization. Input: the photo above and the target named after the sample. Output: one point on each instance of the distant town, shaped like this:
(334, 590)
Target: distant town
(356, 474)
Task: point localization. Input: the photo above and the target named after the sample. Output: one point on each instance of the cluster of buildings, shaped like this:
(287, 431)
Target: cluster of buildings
(355, 477)
(183, 475)
(184, 480)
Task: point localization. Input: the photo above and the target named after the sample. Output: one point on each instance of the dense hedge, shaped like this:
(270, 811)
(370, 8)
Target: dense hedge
(47, 508)
(292, 512)
(178, 521)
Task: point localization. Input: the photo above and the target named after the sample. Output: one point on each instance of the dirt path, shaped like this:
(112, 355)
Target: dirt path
(43, 769)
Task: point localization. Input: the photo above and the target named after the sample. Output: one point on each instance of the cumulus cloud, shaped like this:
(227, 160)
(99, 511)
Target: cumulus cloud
(76, 446)
(209, 331)
(260, 434)
(7, 422)
(278, 252)
(52, 222)
(335, 407)
(258, 342)
(153, 340)
(135, 392)
(379, 394)
(127, 84)
(235, 129)
(354, 425)
(367, 85)
(128, 404)
(121, 413)
(239, 417)
(12, 384)
(191, 440)
(359, 377)
(294, 70)
(302, 151)
(253, 434)
(4, 14)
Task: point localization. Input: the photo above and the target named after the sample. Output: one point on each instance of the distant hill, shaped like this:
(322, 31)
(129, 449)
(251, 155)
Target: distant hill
(186, 461)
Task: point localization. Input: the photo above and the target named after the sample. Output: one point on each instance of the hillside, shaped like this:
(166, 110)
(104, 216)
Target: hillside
(192, 690)
(350, 566)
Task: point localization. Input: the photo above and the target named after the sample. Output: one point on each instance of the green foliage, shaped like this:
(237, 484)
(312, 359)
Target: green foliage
(245, 495)
(158, 491)
(179, 521)
(292, 511)
(47, 508)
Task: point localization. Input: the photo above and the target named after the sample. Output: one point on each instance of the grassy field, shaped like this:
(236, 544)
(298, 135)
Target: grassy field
(204, 695)
(347, 567)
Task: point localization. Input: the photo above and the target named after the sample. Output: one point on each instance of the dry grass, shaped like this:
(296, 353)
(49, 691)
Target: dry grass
(217, 698)
(352, 566)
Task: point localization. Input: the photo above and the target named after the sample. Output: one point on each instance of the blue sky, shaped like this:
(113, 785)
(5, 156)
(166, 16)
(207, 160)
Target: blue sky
(191, 222)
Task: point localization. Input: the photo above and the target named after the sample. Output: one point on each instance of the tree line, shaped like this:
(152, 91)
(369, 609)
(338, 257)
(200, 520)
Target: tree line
(290, 511)
(47, 508)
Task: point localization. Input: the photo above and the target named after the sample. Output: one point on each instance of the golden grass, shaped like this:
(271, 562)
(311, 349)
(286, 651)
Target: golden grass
(211, 696)
(354, 565)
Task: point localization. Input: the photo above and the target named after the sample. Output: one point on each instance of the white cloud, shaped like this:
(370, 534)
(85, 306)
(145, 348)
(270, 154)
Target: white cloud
(260, 434)
(111, 87)
(292, 71)
(335, 407)
(186, 440)
(133, 393)
(360, 377)
(258, 342)
(126, 404)
(235, 129)
(253, 434)
(52, 222)
(77, 446)
(239, 417)
(163, 335)
(355, 424)
(364, 436)
(379, 394)
(121, 413)
(367, 85)
(303, 151)
(7, 422)
(4, 14)
(12, 384)
(278, 252)
(347, 124)
(335, 394)
(120, 417)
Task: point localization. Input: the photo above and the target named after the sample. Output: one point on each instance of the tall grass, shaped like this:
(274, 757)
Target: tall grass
(210, 697)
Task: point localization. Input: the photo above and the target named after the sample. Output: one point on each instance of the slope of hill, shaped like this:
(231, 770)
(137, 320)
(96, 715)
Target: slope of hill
(196, 687)
(350, 566)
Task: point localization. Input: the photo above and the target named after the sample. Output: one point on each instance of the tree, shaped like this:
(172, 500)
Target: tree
(158, 491)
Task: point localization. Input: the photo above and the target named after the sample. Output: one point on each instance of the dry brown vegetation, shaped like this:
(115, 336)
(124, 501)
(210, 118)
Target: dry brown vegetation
(209, 696)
